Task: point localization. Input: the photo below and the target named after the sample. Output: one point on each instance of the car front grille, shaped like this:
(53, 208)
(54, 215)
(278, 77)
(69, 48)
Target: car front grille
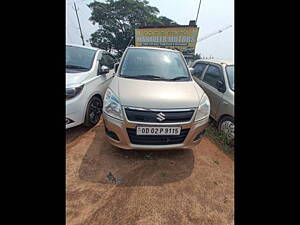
(153, 117)
(156, 139)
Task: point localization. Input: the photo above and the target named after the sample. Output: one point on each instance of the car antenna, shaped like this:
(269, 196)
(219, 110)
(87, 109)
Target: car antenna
(130, 41)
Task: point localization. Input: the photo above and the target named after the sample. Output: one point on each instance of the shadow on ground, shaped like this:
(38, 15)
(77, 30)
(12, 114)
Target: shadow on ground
(74, 132)
(133, 167)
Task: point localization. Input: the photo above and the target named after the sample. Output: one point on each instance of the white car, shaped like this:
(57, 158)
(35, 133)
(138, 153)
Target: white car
(89, 71)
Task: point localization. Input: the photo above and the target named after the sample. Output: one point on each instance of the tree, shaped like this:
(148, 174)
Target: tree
(118, 19)
(166, 21)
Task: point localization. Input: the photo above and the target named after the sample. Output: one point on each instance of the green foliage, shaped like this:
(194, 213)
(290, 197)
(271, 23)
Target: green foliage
(164, 21)
(117, 20)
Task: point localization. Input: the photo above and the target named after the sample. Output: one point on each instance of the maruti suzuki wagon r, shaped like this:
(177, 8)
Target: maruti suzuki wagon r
(153, 102)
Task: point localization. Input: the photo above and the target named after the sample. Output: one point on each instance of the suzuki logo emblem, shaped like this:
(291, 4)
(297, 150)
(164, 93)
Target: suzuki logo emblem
(160, 116)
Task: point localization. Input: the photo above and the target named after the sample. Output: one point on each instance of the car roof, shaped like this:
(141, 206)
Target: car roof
(218, 61)
(154, 48)
(81, 46)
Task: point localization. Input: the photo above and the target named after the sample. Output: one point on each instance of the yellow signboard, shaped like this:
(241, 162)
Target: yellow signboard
(183, 39)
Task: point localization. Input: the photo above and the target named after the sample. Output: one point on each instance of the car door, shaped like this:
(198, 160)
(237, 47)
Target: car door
(98, 83)
(105, 59)
(209, 83)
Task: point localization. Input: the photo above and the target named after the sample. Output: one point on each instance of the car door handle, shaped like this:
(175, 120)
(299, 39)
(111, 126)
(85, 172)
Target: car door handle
(225, 103)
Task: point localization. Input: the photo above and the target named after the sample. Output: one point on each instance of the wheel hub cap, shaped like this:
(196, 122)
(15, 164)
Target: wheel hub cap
(228, 128)
(95, 111)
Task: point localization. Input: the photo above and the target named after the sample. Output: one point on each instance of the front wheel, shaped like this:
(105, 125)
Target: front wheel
(93, 112)
(226, 125)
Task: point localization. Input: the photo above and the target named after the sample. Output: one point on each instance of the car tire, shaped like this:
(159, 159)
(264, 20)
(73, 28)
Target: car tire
(226, 125)
(93, 112)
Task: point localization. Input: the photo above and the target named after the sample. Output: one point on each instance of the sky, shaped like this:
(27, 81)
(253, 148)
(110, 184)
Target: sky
(213, 16)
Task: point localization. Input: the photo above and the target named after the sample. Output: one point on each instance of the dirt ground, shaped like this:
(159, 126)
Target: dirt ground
(160, 187)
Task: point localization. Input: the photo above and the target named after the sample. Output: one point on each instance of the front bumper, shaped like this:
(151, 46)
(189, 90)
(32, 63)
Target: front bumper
(119, 128)
(75, 111)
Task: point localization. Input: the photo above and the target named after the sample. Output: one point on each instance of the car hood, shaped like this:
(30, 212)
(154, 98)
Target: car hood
(156, 94)
(75, 78)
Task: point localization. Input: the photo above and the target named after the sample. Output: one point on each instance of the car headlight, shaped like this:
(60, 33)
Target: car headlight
(112, 105)
(73, 91)
(203, 109)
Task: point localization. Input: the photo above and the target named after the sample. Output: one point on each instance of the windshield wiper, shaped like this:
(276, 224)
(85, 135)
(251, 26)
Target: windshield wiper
(179, 78)
(144, 77)
(76, 67)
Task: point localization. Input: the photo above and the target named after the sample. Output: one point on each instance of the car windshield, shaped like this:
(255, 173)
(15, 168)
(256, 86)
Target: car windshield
(78, 58)
(230, 75)
(152, 64)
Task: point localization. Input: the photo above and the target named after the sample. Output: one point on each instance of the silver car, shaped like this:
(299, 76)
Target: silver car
(153, 102)
(216, 78)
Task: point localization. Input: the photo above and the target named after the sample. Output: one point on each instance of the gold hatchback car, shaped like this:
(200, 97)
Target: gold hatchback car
(153, 103)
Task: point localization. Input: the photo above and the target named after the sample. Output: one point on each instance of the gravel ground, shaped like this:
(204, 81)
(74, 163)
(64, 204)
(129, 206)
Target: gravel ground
(160, 187)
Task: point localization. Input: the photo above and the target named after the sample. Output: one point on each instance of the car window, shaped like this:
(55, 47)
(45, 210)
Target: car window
(213, 75)
(198, 69)
(100, 58)
(113, 58)
(145, 63)
(79, 58)
(108, 60)
(230, 75)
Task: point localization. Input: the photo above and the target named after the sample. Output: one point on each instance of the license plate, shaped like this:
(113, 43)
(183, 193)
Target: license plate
(158, 130)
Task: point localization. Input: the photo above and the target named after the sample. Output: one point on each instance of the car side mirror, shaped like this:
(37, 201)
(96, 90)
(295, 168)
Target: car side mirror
(103, 70)
(116, 66)
(192, 70)
(221, 86)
